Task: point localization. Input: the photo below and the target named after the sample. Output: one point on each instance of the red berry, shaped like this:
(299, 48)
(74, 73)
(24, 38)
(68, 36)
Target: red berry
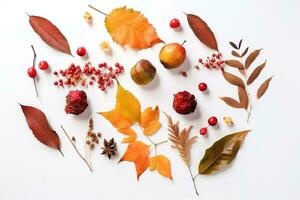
(43, 65)
(202, 86)
(174, 23)
(31, 72)
(81, 51)
(212, 121)
(203, 131)
(55, 83)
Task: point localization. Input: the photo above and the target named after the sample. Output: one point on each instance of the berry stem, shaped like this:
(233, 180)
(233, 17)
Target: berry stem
(36, 91)
(103, 13)
(193, 179)
(33, 64)
(79, 154)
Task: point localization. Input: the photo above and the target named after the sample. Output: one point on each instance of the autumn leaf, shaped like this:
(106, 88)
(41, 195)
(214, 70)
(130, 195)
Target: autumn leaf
(129, 27)
(138, 153)
(234, 63)
(236, 54)
(263, 88)
(251, 58)
(243, 97)
(245, 52)
(231, 102)
(221, 153)
(202, 31)
(40, 128)
(233, 79)
(256, 72)
(131, 134)
(126, 111)
(49, 33)
(149, 120)
(161, 164)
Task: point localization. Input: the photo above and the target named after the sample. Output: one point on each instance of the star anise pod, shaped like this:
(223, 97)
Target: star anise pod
(110, 148)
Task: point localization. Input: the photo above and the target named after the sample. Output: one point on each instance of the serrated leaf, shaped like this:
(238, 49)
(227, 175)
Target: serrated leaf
(243, 97)
(236, 54)
(50, 34)
(231, 102)
(129, 27)
(221, 153)
(256, 73)
(233, 45)
(161, 164)
(234, 80)
(245, 52)
(40, 128)
(202, 31)
(234, 63)
(263, 88)
(251, 58)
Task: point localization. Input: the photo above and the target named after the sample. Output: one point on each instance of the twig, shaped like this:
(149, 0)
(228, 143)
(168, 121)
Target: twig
(103, 13)
(193, 179)
(33, 65)
(77, 149)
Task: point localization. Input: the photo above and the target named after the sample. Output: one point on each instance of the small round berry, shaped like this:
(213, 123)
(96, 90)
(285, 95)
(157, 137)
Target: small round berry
(203, 131)
(174, 23)
(55, 83)
(212, 121)
(31, 72)
(43, 65)
(202, 87)
(81, 51)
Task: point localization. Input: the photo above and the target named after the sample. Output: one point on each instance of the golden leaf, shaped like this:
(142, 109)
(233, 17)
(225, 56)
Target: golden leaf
(149, 115)
(161, 164)
(116, 120)
(131, 135)
(129, 27)
(138, 153)
(152, 128)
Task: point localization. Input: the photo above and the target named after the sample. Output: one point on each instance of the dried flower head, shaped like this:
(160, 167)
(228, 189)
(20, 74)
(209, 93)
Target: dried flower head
(88, 17)
(105, 47)
(228, 121)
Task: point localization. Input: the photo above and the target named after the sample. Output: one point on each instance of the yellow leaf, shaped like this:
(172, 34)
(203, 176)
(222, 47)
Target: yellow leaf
(131, 135)
(129, 27)
(116, 120)
(149, 115)
(162, 164)
(137, 152)
(152, 128)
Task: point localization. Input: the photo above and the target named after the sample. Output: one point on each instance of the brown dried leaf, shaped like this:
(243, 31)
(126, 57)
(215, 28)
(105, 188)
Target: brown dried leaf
(256, 73)
(263, 88)
(50, 33)
(236, 54)
(180, 139)
(231, 102)
(251, 58)
(240, 43)
(243, 97)
(245, 52)
(234, 63)
(234, 80)
(233, 45)
(202, 31)
(38, 123)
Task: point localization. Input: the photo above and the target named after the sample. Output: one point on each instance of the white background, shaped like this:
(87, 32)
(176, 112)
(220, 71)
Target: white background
(267, 166)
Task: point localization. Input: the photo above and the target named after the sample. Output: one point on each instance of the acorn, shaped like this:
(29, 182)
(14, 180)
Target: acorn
(143, 72)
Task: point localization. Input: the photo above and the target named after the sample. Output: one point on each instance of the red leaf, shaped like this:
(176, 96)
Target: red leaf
(49, 33)
(38, 123)
(202, 31)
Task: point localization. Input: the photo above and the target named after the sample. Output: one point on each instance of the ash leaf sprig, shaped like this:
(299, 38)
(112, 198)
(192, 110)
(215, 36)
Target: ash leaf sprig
(242, 85)
(182, 143)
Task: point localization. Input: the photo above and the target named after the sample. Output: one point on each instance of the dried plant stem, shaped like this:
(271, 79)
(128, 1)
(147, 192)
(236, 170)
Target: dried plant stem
(155, 144)
(103, 13)
(193, 179)
(33, 65)
(86, 162)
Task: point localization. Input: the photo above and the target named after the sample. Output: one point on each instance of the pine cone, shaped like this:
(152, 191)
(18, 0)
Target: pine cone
(110, 148)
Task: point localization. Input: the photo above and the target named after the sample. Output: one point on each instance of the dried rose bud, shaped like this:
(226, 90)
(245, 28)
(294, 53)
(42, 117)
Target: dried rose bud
(76, 102)
(184, 103)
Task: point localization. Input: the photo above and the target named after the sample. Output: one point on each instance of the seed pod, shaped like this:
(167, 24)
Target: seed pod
(143, 72)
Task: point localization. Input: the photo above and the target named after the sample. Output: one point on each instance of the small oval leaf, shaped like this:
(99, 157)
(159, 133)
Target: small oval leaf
(236, 54)
(221, 153)
(263, 88)
(243, 97)
(231, 102)
(50, 34)
(233, 45)
(40, 128)
(245, 52)
(251, 58)
(256, 73)
(234, 63)
(234, 80)
(202, 31)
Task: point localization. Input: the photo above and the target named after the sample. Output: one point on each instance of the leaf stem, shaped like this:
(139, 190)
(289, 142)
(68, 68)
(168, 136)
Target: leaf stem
(103, 13)
(61, 152)
(77, 149)
(155, 144)
(193, 179)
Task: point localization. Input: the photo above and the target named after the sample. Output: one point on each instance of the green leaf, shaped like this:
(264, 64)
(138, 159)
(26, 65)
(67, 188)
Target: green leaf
(221, 153)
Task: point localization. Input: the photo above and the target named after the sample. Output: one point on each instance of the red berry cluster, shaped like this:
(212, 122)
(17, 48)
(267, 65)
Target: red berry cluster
(88, 75)
(212, 121)
(213, 62)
